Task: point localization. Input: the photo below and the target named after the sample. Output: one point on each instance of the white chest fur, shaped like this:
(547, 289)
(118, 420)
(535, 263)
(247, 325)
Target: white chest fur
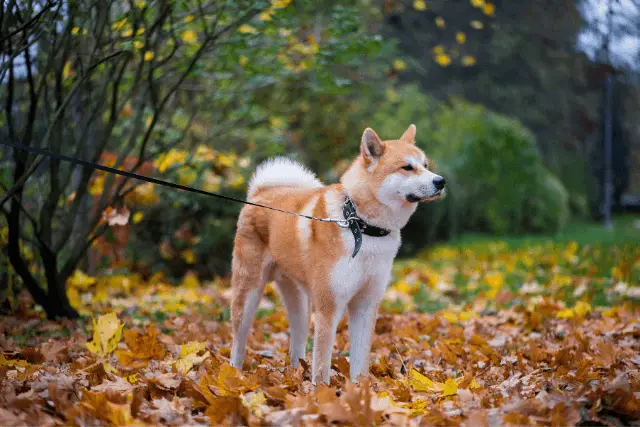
(370, 268)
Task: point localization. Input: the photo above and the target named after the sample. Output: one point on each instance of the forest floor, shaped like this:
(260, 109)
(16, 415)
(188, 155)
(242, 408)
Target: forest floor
(541, 330)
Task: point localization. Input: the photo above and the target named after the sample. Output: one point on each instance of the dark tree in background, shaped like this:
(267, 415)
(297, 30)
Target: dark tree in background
(526, 62)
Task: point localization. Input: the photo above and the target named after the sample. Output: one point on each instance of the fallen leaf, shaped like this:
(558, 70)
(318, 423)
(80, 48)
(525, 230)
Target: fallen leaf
(419, 382)
(142, 348)
(107, 332)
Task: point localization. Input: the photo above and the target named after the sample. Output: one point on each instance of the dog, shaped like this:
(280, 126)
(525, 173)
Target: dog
(320, 262)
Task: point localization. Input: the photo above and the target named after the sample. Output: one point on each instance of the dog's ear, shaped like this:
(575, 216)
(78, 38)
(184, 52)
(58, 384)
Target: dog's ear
(372, 147)
(410, 135)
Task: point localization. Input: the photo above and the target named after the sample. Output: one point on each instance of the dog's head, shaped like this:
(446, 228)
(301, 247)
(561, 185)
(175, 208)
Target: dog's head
(396, 171)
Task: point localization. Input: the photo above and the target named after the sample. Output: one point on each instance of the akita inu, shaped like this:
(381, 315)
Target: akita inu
(313, 261)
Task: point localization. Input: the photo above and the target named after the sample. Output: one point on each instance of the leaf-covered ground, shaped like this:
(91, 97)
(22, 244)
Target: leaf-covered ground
(480, 334)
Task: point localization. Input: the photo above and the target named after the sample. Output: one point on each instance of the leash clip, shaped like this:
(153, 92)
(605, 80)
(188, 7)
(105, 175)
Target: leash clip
(343, 223)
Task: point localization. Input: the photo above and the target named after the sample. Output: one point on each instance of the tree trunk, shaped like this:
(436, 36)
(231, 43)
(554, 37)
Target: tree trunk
(54, 302)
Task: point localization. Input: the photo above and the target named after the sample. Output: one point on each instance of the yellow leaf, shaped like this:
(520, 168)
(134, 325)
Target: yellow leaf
(450, 388)
(567, 313)
(189, 356)
(140, 4)
(474, 385)
(247, 29)
(266, 15)
(399, 65)
(443, 59)
(80, 280)
(127, 33)
(477, 25)
(188, 256)
(188, 18)
(461, 37)
(138, 44)
(107, 332)
(226, 160)
(66, 70)
(280, 4)
(477, 3)
(75, 30)
(450, 316)
(495, 282)
(74, 297)
(189, 37)
(582, 308)
(243, 60)
(419, 382)
(170, 158)
(419, 5)
(117, 26)
(237, 182)
(205, 153)
(191, 348)
(13, 362)
(276, 122)
(440, 22)
(489, 9)
(468, 60)
(417, 407)
(403, 286)
(137, 217)
(467, 314)
(190, 281)
(140, 32)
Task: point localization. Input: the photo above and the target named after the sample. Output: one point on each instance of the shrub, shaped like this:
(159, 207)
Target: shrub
(496, 179)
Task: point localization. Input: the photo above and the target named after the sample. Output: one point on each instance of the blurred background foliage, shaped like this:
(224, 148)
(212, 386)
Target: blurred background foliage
(506, 101)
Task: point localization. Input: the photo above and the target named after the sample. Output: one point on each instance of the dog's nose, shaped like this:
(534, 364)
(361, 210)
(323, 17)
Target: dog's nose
(439, 182)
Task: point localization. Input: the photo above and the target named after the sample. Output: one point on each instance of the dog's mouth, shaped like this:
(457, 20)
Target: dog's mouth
(412, 198)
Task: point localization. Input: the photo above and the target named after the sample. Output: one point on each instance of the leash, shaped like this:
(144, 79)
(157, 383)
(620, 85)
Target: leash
(343, 223)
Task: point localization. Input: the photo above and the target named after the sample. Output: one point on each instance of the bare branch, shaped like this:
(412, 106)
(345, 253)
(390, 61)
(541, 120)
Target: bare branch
(23, 178)
(29, 23)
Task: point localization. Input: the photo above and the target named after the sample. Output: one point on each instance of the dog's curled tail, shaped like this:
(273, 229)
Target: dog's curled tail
(282, 172)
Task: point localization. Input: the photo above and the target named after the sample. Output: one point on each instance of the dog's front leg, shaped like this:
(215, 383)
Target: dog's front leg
(325, 323)
(363, 309)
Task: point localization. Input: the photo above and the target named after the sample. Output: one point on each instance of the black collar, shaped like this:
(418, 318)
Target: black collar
(359, 227)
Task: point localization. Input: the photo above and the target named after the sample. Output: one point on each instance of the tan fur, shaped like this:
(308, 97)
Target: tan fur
(303, 256)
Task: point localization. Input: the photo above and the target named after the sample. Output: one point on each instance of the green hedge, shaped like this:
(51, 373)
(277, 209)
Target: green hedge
(497, 182)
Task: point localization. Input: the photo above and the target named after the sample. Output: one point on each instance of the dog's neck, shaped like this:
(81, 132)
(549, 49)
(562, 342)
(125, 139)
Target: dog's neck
(392, 215)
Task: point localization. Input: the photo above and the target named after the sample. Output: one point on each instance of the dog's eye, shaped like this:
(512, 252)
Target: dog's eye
(407, 167)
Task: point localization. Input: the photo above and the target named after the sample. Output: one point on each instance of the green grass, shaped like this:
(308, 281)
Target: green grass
(585, 262)
(624, 232)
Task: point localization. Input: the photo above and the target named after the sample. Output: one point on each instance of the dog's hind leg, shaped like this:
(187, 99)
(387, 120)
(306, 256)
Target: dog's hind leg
(296, 303)
(251, 268)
